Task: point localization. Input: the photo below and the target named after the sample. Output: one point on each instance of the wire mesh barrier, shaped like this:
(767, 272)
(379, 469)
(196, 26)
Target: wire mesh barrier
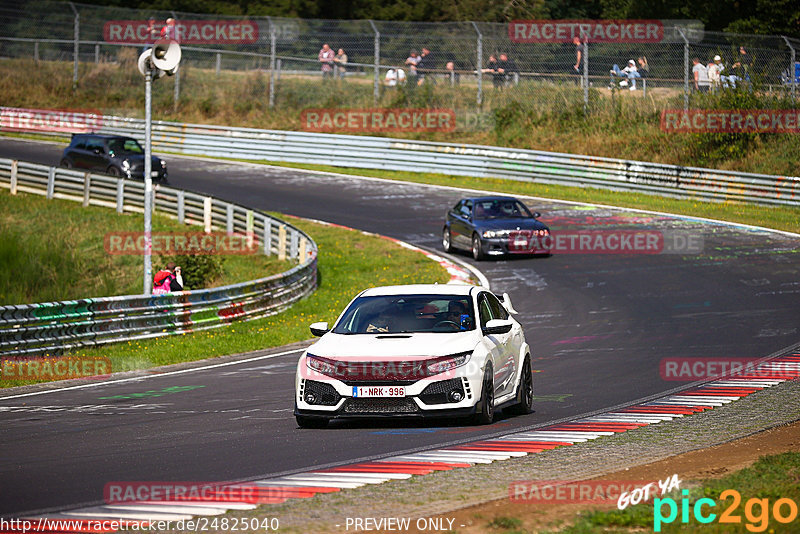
(464, 160)
(463, 62)
(54, 327)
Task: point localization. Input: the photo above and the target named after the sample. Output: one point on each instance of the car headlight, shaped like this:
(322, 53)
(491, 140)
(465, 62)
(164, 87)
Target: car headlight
(445, 363)
(495, 233)
(321, 365)
(126, 165)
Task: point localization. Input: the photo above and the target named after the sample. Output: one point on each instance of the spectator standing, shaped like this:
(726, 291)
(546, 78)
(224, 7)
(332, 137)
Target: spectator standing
(580, 50)
(169, 31)
(742, 67)
(723, 78)
(425, 65)
(152, 34)
(326, 57)
(714, 78)
(507, 68)
(451, 73)
(341, 62)
(700, 74)
(492, 68)
(412, 61)
(168, 280)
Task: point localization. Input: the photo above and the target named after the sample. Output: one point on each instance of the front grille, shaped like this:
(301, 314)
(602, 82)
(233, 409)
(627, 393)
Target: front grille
(378, 406)
(326, 394)
(436, 393)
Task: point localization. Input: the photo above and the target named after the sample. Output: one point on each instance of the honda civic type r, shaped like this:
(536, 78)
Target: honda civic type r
(416, 350)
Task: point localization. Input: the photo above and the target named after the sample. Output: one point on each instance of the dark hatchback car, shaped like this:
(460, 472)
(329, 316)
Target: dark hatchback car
(494, 226)
(115, 155)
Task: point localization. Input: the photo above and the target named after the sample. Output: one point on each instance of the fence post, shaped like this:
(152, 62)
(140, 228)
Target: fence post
(229, 219)
(282, 242)
(585, 73)
(14, 167)
(76, 49)
(120, 195)
(207, 214)
(267, 236)
(272, 46)
(181, 207)
(249, 227)
(685, 69)
(36, 51)
(293, 243)
(301, 254)
(376, 79)
(219, 61)
(87, 185)
(177, 94)
(479, 66)
(97, 53)
(278, 67)
(792, 60)
(51, 182)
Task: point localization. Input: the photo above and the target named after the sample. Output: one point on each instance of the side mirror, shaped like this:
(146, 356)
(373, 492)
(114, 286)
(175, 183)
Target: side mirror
(319, 329)
(498, 326)
(536, 214)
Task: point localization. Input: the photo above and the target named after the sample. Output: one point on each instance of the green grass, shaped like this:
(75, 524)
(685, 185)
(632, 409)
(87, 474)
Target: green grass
(535, 115)
(54, 250)
(349, 261)
(771, 477)
(777, 217)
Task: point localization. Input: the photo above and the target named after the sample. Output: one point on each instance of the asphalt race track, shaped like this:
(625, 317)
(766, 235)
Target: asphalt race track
(599, 326)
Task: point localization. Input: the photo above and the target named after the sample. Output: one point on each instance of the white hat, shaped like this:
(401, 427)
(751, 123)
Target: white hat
(717, 58)
(632, 62)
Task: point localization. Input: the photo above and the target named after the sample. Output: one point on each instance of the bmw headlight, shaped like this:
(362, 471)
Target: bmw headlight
(436, 366)
(495, 233)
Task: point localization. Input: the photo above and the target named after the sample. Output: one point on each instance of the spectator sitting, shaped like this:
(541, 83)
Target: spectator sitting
(700, 74)
(341, 60)
(326, 57)
(395, 76)
(741, 68)
(720, 69)
(630, 72)
(167, 280)
(713, 75)
(644, 68)
(426, 63)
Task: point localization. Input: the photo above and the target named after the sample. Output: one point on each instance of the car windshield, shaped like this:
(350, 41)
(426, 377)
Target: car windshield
(407, 314)
(501, 209)
(125, 146)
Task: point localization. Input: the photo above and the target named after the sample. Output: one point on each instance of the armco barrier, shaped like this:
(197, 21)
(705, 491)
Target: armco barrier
(464, 160)
(34, 329)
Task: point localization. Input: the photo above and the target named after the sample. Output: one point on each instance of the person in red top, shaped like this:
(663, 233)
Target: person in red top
(167, 280)
(326, 57)
(169, 31)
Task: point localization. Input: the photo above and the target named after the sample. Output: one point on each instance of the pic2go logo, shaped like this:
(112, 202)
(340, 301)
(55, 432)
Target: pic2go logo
(756, 511)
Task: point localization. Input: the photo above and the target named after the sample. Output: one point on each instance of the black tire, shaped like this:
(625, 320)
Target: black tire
(525, 392)
(477, 249)
(304, 421)
(485, 413)
(447, 243)
(113, 171)
(67, 164)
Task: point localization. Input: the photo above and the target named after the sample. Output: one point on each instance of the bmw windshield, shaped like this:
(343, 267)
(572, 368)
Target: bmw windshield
(501, 209)
(394, 314)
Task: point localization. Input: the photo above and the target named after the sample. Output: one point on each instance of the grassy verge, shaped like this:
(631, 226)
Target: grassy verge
(535, 115)
(54, 250)
(349, 261)
(779, 218)
(771, 478)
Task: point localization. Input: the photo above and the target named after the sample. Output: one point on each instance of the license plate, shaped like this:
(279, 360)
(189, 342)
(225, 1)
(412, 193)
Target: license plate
(379, 391)
(154, 174)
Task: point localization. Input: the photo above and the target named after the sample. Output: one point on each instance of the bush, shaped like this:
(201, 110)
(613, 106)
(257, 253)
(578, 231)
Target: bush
(199, 270)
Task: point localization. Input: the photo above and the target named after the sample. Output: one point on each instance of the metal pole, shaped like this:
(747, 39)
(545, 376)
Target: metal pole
(97, 53)
(685, 69)
(272, 46)
(585, 74)
(219, 60)
(479, 58)
(792, 60)
(177, 94)
(76, 49)
(36, 51)
(148, 186)
(377, 78)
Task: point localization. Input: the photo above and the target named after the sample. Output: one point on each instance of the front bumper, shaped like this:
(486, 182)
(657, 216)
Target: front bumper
(499, 246)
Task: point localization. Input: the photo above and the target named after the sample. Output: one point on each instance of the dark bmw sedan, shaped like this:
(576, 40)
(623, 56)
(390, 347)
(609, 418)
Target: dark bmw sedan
(494, 226)
(116, 155)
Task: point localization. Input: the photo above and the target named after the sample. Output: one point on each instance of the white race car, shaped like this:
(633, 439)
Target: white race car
(416, 350)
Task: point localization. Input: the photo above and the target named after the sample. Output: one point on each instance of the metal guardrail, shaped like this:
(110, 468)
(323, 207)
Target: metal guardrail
(464, 160)
(53, 327)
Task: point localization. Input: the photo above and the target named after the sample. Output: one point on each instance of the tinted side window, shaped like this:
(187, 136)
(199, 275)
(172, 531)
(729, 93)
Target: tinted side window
(498, 311)
(466, 208)
(93, 143)
(484, 309)
(79, 143)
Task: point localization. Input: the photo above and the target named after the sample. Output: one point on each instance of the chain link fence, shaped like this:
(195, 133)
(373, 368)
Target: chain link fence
(284, 54)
